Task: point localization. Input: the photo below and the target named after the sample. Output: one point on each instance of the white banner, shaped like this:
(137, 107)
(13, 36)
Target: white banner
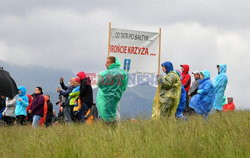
(137, 51)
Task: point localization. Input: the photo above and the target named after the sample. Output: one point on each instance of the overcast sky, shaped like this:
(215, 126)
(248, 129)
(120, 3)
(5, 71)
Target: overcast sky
(73, 34)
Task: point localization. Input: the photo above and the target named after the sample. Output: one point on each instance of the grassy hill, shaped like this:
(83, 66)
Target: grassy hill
(223, 135)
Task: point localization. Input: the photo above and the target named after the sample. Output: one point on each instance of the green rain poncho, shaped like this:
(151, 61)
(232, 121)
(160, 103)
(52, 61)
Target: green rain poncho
(167, 96)
(112, 83)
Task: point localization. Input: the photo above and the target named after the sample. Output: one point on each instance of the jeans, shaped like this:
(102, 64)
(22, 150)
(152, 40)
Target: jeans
(68, 113)
(36, 119)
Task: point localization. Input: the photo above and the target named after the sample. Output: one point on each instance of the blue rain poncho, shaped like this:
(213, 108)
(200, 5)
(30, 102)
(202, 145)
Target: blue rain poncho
(112, 84)
(23, 104)
(182, 104)
(202, 102)
(220, 85)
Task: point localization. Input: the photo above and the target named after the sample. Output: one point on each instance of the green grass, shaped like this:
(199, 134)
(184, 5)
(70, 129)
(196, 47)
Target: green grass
(223, 135)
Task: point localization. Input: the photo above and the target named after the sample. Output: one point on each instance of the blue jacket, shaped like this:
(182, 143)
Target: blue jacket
(220, 85)
(202, 102)
(22, 105)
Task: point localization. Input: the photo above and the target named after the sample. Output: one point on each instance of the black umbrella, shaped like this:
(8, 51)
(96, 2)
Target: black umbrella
(8, 86)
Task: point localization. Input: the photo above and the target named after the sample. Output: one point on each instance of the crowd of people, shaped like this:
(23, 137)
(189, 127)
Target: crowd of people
(75, 100)
(175, 96)
(35, 109)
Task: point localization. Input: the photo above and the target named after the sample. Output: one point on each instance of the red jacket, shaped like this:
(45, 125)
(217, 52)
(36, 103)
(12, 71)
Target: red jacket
(45, 110)
(185, 77)
(229, 107)
(30, 102)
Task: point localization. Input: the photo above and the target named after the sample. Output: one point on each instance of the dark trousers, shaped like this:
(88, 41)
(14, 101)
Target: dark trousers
(29, 118)
(9, 120)
(48, 122)
(188, 111)
(20, 119)
(68, 113)
(79, 115)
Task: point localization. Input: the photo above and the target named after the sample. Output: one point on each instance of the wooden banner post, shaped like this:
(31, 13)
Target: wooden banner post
(159, 56)
(159, 67)
(109, 36)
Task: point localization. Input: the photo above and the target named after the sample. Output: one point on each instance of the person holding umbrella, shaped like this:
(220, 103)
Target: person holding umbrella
(8, 89)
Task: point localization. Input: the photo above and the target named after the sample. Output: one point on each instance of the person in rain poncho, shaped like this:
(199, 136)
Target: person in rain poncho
(182, 104)
(220, 85)
(230, 105)
(193, 90)
(45, 111)
(168, 93)
(202, 102)
(111, 83)
(21, 105)
(194, 86)
(185, 77)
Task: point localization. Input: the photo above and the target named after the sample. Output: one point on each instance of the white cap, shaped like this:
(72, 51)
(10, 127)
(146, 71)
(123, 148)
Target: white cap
(195, 72)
